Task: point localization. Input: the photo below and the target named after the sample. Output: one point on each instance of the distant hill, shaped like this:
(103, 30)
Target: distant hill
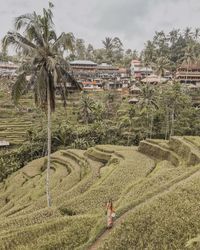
(155, 189)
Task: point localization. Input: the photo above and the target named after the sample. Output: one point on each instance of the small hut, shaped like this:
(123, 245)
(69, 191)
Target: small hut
(4, 143)
(134, 90)
(154, 79)
(133, 100)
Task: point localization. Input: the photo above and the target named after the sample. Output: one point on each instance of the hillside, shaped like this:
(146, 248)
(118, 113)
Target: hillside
(155, 188)
(17, 120)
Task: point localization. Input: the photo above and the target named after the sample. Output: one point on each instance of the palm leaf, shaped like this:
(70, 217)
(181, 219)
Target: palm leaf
(19, 87)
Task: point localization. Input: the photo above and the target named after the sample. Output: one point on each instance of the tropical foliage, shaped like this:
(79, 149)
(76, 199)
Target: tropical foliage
(42, 52)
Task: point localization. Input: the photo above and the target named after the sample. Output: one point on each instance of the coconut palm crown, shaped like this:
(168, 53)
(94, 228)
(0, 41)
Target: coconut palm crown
(41, 50)
(42, 56)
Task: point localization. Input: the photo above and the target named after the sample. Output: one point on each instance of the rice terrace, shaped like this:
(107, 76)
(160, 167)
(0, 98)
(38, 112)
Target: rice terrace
(100, 141)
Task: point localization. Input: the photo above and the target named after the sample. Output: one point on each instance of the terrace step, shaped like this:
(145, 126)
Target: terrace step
(158, 152)
(185, 150)
(98, 155)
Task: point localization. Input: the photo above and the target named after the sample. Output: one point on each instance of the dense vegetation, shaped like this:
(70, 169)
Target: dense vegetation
(155, 186)
(164, 51)
(101, 118)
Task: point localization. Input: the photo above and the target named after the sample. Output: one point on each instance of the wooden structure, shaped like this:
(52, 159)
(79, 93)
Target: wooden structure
(8, 70)
(83, 69)
(106, 71)
(92, 85)
(139, 71)
(188, 73)
(4, 143)
(154, 79)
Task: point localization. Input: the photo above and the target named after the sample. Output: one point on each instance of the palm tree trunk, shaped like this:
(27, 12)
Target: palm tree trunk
(172, 123)
(151, 128)
(48, 148)
(187, 73)
(148, 132)
(166, 128)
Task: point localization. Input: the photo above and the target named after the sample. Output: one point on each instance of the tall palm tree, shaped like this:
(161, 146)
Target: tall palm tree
(162, 63)
(35, 38)
(108, 46)
(188, 34)
(80, 49)
(86, 106)
(189, 57)
(148, 104)
(108, 43)
(196, 34)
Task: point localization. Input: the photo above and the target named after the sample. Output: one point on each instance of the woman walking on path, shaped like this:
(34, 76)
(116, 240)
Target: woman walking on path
(110, 214)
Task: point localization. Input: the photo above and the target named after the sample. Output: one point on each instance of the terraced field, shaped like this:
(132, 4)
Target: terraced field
(155, 189)
(15, 121)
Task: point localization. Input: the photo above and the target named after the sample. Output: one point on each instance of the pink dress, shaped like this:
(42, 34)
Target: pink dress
(109, 215)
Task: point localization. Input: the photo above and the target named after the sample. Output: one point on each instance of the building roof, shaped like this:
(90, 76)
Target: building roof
(135, 62)
(83, 62)
(4, 143)
(192, 65)
(123, 70)
(154, 78)
(91, 83)
(135, 88)
(133, 100)
(107, 66)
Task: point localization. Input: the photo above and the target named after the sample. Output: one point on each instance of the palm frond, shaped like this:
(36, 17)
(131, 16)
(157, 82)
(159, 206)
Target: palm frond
(70, 78)
(66, 41)
(22, 21)
(19, 87)
(19, 42)
(51, 91)
(41, 88)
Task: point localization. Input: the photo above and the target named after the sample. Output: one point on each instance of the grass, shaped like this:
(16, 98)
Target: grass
(165, 223)
(155, 190)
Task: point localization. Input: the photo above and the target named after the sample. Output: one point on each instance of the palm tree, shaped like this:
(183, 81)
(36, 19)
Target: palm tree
(148, 104)
(108, 43)
(196, 34)
(187, 34)
(109, 46)
(42, 51)
(162, 63)
(189, 56)
(148, 56)
(80, 49)
(86, 106)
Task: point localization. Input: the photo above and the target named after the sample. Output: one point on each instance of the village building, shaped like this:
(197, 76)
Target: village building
(115, 85)
(4, 143)
(124, 77)
(83, 69)
(135, 91)
(188, 73)
(106, 71)
(92, 85)
(133, 100)
(8, 69)
(154, 79)
(99, 77)
(139, 71)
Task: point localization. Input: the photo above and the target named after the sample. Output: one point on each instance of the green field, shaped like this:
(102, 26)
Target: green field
(155, 188)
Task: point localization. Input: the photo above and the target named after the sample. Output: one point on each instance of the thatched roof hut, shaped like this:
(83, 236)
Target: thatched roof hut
(133, 100)
(154, 79)
(135, 90)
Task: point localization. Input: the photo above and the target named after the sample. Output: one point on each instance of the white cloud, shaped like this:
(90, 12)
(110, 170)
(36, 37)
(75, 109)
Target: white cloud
(134, 21)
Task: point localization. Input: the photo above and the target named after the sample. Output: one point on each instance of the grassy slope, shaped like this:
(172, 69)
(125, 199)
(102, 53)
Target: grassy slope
(81, 183)
(16, 120)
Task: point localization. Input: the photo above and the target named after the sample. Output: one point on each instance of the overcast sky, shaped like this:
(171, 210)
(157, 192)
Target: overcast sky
(133, 21)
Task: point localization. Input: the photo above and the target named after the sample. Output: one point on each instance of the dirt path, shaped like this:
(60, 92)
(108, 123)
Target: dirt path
(166, 189)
